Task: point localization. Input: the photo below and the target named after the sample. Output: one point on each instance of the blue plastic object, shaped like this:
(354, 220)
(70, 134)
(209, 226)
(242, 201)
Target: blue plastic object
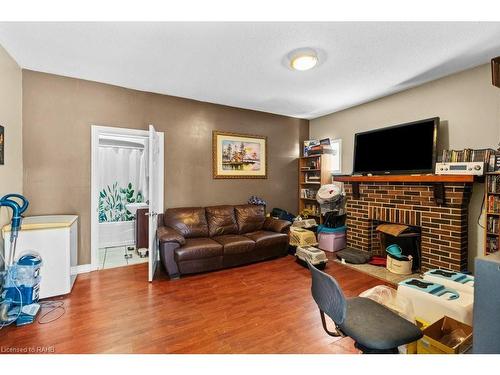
(323, 229)
(450, 275)
(22, 281)
(431, 288)
(17, 211)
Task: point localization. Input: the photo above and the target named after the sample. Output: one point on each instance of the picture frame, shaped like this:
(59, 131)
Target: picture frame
(2, 145)
(236, 155)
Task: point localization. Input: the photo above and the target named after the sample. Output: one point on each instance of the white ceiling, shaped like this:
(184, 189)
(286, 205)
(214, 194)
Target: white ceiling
(244, 64)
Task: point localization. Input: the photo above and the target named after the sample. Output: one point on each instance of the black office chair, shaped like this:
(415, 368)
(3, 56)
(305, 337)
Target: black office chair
(374, 328)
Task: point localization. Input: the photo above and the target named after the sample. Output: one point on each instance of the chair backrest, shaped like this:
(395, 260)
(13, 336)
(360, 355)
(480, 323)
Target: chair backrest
(328, 295)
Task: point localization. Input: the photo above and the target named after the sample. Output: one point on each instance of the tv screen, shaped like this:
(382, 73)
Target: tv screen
(405, 148)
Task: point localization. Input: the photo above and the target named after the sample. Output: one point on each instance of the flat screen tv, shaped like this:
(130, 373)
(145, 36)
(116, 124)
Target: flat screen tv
(401, 149)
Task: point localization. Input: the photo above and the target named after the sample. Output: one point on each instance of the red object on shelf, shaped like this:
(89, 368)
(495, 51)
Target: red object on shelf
(378, 261)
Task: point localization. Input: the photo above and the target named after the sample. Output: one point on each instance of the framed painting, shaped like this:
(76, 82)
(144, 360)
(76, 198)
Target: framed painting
(2, 145)
(239, 155)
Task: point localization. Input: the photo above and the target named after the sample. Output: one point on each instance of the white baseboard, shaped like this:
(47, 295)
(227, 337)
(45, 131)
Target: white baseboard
(81, 268)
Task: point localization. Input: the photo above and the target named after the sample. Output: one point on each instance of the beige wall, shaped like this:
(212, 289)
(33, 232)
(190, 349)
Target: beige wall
(58, 113)
(469, 108)
(11, 173)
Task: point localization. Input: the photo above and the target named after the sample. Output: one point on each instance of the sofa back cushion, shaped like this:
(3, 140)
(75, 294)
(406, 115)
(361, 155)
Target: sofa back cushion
(188, 221)
(249, 217)
(221, 220)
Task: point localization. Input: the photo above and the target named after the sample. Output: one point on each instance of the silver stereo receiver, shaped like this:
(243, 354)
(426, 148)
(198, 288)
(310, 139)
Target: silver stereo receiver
(475, 168)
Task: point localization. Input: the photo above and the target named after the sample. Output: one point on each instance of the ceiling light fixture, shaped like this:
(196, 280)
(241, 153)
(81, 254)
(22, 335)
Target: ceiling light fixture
(303, 60)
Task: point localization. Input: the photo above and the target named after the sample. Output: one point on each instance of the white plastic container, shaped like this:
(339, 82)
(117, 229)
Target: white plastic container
(432, 308)
(400, 267)
(467, 287)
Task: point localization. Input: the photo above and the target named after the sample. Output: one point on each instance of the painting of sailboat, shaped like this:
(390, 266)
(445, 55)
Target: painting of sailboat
(239, 156)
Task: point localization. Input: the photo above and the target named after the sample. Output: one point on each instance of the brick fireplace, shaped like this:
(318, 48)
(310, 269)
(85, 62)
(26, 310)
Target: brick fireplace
(439, 209)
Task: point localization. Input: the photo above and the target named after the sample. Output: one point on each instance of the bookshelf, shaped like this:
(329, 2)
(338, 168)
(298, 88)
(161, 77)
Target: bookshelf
(314, 171)
(492, 213)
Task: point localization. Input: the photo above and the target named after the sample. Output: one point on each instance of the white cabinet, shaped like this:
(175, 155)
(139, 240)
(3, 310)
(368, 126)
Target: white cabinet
(55, 238)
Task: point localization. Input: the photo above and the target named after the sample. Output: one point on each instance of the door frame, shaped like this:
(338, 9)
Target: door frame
(96, 131)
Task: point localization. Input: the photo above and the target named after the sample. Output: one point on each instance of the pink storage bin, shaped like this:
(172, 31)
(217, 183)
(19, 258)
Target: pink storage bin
(332, 241)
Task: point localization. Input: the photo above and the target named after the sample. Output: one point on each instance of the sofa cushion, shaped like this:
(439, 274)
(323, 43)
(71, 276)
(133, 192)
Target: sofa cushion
(265, 238)
(235, 244)
(198, 248)
(250, 217)
(190, 222)
(276, 225)
(221, 220)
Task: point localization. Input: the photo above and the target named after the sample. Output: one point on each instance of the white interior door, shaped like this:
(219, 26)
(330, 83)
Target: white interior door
(155, 195)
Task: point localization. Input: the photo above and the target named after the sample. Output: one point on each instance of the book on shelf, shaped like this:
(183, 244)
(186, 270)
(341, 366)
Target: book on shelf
(308, 193)
(486, 155)
(491, 244)
(492, 225)
(493, 184)
(494, 204)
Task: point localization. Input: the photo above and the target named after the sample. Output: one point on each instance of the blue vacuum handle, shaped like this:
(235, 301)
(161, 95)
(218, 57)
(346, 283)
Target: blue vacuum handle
(25, 205)
(17, 210)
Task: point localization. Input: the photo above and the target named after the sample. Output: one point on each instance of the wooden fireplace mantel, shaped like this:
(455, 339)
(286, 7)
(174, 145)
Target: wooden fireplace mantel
(431, 178)
(437, 181)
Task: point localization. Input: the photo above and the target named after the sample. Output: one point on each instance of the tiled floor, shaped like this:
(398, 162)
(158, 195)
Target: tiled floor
(380, 272)
(111, 257)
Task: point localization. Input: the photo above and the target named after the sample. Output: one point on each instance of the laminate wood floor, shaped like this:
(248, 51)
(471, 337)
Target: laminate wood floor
(260, 308)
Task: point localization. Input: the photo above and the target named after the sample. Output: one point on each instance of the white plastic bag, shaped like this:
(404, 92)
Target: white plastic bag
(388, 297)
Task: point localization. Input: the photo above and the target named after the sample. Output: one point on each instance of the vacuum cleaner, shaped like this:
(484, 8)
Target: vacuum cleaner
(21, 278)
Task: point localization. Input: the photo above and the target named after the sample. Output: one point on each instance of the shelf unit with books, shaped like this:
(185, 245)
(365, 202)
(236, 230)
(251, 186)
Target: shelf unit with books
(314, 171)
(492, 213)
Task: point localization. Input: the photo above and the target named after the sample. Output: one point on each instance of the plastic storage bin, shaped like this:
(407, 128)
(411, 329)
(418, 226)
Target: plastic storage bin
(431, 308)
(451, 279)
(332, 239)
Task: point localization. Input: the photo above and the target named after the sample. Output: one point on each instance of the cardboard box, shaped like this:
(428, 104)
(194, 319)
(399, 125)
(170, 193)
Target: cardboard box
(432, 343)
(411, 348)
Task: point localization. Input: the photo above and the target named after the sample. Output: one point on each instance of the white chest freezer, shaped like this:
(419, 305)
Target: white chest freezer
(55, 238)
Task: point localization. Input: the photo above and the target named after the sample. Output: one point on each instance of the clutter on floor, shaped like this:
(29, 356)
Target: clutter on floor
(396, 262)
(278, 213)
(302, 237)
(407, 240)
(331, 239)
(451, 279)
(445, 336)
(21, 280)
(312, 255)
(378, 261)
(304, 223)
(373, 327)
(432, 301)
(354, 256)
(55, 239)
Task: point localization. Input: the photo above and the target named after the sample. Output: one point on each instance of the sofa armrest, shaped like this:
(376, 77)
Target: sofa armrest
(167, 234)
(276, 225)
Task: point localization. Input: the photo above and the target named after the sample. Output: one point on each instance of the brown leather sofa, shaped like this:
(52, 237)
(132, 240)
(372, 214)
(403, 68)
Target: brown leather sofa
(197, 239)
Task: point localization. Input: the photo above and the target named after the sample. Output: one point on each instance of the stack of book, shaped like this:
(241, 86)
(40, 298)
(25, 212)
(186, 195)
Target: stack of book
(494, 184)
(308, 193)
(467, 155)
(494, 204)
(312, 177)
(315, 147)
(492, 225)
